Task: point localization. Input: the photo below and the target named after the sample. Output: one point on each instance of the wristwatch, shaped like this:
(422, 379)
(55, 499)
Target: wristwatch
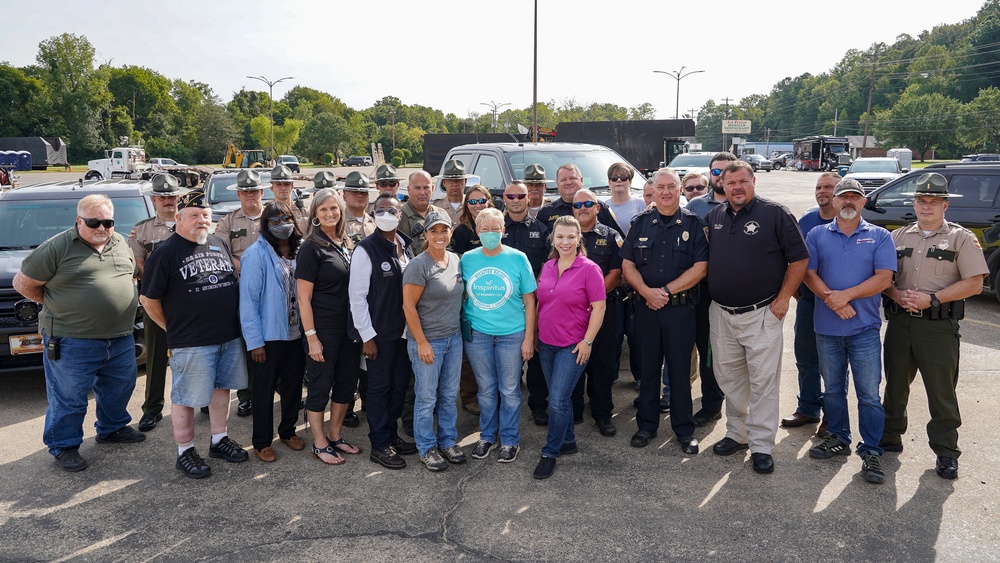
(934, 301)
(589, 342)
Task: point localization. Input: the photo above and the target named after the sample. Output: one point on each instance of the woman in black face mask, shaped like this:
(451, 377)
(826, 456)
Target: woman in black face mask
(269, 314)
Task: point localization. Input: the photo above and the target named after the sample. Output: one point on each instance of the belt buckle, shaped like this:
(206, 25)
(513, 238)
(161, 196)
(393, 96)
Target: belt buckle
(918, 314)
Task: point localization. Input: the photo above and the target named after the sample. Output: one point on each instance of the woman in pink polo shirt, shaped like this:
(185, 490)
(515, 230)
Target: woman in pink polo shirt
(571, 301)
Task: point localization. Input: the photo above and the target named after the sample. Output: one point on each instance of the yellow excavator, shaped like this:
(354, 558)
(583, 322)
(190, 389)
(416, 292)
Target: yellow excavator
(243, 159)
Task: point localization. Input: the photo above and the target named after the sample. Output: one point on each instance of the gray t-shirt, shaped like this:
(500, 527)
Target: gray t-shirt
(440, 304)
(624, 212)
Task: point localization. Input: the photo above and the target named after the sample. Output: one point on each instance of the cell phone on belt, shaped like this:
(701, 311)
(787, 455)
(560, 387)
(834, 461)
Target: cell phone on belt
(52, 350)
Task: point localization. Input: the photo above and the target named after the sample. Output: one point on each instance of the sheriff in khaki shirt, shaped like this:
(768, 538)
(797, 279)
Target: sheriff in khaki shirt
(238, 231)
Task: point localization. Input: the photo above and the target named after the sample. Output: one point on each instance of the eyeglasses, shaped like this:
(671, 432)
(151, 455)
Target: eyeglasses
(716, 172)
(515, 196)
(618, 178)
(587, 204)
(389, 210)
(478, 201)
(693, 188)
(278, 219)
(387, 184)
(94, 223)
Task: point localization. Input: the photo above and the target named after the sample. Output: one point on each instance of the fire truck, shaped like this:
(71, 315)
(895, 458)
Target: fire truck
(821, 152)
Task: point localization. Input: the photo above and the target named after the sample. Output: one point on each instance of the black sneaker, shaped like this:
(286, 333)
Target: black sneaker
(193, 465)
(351, 420)
(70, 460)
(148, 421)
(568, 448)
(665, 403)
(228, 450)
(244, 409)
(546, 466)
(871, 468)
(482, 449)
(453, 454)
(829, 447)
(507, 454)
(124, 435)
(433, 460)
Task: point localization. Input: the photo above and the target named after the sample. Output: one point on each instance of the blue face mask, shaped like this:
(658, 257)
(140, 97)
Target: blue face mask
(490, 240)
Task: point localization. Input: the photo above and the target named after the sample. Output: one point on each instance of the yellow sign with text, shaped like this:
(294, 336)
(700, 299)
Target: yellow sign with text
(736, 126)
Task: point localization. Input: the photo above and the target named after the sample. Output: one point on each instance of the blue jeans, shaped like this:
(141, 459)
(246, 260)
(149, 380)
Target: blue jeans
(561, 374)
(436, 389)
(807, 360)
(107, 367)
(496, 361)
(863, 352)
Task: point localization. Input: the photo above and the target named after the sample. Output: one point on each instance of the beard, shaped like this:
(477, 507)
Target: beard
(718, 189)
(848, 213)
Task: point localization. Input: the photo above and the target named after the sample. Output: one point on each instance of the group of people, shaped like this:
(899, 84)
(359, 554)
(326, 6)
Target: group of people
(422, 305)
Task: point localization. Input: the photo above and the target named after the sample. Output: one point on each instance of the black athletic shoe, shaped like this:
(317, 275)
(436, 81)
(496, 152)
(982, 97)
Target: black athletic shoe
(193, 465)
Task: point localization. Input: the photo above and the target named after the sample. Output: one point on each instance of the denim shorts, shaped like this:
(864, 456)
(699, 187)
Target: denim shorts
(199, 370)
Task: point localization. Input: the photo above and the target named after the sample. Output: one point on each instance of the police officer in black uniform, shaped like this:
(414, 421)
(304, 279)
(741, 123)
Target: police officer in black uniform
(664, 255)
(569, 180)
(530, 236)
(603, 245)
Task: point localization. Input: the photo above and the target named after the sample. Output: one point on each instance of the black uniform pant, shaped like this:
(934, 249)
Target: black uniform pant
(282, 371)
(538, 390)
(388, 376)
(711, 393)
(667, 336)
(600, 371)
(156, 365)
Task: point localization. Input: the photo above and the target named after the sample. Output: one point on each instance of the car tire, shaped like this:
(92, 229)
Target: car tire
(776, 166)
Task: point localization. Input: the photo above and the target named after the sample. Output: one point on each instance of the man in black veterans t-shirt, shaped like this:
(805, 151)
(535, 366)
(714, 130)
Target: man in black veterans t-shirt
(190, 288)
(756, 259)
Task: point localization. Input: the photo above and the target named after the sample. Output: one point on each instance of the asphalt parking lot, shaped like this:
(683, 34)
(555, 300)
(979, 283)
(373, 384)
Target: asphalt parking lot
(610, 502)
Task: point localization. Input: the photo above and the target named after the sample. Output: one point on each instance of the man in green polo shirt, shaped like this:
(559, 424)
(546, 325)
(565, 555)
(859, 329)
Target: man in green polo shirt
(83, 277)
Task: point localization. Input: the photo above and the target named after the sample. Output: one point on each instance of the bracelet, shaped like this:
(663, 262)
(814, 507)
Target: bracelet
(589, 342)
(310, 332)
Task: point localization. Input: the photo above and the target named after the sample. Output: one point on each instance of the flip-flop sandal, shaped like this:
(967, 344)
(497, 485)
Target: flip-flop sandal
(342, 442)
(329, 450)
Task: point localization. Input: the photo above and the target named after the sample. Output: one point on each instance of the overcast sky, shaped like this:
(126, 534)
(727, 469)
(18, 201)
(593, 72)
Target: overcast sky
(457, 55)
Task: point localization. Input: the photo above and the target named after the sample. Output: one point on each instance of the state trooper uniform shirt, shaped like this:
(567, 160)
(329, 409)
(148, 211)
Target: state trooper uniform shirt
(147, 234)
(357, 228)
(238, 231)
(664, 247)
(930, 263)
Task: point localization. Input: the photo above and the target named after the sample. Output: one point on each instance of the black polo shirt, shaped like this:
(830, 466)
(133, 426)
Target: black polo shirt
(664, 247)
(750, 250)
(558, 208)
(603, 246)
(530, 237)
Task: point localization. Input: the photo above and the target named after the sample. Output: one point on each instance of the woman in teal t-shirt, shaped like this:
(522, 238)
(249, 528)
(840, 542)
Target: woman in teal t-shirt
(500, 307)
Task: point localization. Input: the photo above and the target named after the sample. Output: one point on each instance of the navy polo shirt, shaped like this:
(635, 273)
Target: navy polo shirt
(843, 262)
(750, 250)
(806, 223)
(664, 247)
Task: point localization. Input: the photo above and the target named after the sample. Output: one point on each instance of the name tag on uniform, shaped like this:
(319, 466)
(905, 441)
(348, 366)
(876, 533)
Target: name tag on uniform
(601, 242)
(534, 234)
(210, 247)
(866, 241)
(237, 234)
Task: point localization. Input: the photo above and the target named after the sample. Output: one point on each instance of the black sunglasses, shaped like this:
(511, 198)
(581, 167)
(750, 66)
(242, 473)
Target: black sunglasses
(587, 204)
(387, 184)
(618, 178)
(278, 219)
(478, 201)
(94, 223)
(515, 196)
(693, 188)
(716, 172)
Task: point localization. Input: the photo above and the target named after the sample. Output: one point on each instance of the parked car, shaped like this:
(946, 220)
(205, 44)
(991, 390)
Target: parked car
(758, 162)
(981, 158)
(977, 210)
(30, 216)
(872, 172)
(357, 161)
(154, 162)
(291, 161)
(781, 160)
(685, 163)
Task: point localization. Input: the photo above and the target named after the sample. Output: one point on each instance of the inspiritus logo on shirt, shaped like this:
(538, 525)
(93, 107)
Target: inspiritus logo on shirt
(490, 288)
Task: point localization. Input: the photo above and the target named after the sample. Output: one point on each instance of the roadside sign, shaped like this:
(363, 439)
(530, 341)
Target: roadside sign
(739, 126)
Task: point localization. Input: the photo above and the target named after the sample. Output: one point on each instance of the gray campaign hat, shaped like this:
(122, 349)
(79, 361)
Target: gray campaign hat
(534, 173)
(454, 170)
(281, 173)
(435, 218)
(324, 179)
(931, 184)
(165, 185)
(386, 172)
(848, 185)
(356, 182)
(248, 180)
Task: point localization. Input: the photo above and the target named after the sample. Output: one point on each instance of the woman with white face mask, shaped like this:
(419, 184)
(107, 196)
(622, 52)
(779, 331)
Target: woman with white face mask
(376, 296)
(269, 315)
(500, 334)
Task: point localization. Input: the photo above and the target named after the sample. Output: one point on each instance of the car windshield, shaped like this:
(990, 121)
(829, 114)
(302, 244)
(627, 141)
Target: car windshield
(218, 192)
(593, 165)
(289, 159)
(168, 162)
(689, 160)
(26, 224)
(887, 166)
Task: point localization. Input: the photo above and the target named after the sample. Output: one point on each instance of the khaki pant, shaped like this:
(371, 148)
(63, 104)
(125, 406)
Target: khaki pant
(746, 354)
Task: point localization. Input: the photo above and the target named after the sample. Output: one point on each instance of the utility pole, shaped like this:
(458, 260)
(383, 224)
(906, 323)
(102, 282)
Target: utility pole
(392, 116)
(270, 94)
(534, 84)
(868, 113)
(725, 116)
(835, 122)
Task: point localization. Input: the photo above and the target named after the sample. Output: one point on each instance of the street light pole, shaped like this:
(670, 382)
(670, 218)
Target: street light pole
(392, 116)
(270, 94)
(495, 106)
(678, 75)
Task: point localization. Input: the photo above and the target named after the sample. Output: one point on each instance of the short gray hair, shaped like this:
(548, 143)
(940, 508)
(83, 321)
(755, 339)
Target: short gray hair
(92, 201)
